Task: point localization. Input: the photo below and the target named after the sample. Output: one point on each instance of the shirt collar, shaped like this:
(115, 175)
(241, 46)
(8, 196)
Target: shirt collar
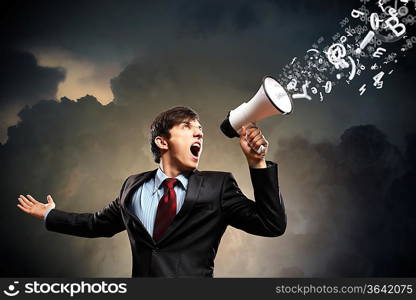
(160, 177)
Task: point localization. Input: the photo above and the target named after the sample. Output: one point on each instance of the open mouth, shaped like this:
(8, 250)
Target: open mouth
(195, 149)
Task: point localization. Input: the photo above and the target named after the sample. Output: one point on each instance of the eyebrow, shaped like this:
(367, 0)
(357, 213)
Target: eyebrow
(189, 123)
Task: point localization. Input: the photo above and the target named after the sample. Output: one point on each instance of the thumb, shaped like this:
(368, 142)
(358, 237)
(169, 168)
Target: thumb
(49, 199)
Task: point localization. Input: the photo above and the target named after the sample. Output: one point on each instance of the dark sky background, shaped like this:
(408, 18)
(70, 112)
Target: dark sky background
(81, 81)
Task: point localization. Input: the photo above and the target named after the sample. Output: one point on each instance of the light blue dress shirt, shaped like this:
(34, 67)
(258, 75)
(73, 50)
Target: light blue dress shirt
(146, 198)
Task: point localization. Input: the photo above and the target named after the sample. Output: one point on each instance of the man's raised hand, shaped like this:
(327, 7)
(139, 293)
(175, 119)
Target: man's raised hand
(252, 137)
(35, 208)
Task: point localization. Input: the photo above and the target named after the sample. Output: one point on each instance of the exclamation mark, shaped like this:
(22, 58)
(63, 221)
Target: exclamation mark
(365, 41)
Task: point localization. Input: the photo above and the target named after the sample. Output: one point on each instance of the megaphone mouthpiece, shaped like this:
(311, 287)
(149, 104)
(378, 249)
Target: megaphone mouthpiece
(227, 129)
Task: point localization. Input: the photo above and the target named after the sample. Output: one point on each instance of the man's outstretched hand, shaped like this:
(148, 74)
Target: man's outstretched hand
(35, 208)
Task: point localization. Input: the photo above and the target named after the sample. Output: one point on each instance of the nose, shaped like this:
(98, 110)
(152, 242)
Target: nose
(198, 133)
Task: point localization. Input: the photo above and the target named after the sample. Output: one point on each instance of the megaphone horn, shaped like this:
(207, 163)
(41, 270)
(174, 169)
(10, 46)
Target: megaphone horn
(270, 99)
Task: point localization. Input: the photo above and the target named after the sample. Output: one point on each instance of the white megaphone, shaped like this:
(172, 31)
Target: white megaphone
(271, 99)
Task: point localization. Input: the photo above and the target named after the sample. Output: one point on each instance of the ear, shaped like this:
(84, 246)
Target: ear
(161, 142)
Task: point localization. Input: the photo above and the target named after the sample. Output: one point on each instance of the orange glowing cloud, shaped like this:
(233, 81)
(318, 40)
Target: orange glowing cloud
(82, 76)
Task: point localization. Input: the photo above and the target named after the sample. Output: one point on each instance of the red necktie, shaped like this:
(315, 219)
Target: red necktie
(166, 210)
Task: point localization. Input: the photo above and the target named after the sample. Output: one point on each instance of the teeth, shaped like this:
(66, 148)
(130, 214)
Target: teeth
(196, 144)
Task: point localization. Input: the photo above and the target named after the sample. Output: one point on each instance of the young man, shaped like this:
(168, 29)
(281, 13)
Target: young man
(176, 215)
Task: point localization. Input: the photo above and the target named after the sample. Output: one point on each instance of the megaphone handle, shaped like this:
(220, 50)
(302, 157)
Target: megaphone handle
(260, 150)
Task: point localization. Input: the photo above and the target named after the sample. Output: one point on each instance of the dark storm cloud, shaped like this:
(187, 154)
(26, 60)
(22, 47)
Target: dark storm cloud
(80, 153)
(204, 18)
(226, 45)
(97, 31)
(355, 198)
(116, 30)
(23, 82)
(110, 30)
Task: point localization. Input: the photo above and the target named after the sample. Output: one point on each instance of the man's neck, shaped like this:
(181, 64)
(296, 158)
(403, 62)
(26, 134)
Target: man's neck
(169, 170)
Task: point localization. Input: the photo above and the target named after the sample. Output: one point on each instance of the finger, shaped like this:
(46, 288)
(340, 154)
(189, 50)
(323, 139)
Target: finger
(253, 133)
(23, 204)
(49, 199)
(30, 204)
(33, 199)
(249, 128)
(255, 139)
(23, 197)
(22, 208)
(263, 141)
(259, 143)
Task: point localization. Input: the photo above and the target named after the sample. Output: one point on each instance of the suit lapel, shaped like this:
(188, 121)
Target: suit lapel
(128, 197)
(191, 196)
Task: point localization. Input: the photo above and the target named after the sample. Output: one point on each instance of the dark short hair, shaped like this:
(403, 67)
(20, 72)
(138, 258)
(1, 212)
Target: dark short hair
(165, 121)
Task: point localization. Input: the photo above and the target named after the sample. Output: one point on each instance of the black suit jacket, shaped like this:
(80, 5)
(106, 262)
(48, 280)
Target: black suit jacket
(187, 249)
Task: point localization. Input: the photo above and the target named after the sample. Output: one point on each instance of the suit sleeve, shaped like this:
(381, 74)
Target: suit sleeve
(104, 223)
(266, 215)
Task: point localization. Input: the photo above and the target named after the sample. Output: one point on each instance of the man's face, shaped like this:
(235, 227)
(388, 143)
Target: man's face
(185, 144)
